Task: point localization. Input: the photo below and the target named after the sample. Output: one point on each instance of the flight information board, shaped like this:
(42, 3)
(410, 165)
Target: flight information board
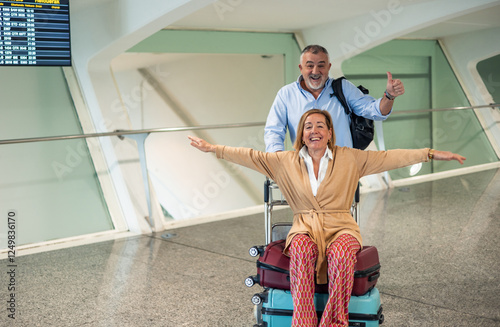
(35, 33)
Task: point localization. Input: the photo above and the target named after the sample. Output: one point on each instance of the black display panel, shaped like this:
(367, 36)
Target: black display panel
(35, 33)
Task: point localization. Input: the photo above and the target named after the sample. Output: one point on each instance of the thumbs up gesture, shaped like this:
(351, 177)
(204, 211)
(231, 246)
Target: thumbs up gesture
(394, 86)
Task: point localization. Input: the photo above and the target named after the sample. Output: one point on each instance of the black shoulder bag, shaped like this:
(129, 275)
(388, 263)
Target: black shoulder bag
(361, 128)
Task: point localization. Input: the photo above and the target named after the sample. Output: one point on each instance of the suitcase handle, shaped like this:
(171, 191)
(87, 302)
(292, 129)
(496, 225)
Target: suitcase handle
(373, 277)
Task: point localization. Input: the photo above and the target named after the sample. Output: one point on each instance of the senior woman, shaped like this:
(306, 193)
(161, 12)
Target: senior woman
(319, 180)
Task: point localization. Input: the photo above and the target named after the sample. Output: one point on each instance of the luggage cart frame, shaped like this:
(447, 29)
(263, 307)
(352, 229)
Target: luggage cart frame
(270, 202)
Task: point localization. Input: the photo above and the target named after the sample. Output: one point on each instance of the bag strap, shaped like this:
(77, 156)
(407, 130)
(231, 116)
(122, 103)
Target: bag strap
(339, 93)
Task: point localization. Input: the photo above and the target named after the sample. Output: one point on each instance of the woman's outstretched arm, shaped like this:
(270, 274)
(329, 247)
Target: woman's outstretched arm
(264, 163)
(372, 162)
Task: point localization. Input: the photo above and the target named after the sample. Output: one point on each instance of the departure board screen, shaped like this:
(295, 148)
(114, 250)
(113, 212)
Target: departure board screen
(35, 33)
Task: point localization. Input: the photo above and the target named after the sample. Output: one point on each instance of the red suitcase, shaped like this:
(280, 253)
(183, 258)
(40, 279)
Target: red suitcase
(366, 270)
(273, 269)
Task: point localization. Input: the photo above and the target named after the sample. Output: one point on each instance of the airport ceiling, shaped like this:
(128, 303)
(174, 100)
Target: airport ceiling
(295, 15)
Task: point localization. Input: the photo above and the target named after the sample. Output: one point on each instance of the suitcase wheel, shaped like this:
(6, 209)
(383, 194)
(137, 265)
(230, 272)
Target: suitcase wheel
(381, 319)
(256, 299)
(251, 280)
(256, 250)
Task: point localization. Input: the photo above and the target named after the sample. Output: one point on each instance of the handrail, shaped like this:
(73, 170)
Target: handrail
(120, 133)
(491, 105)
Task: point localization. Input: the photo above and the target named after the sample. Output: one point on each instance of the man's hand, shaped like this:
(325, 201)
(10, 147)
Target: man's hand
(394, 86)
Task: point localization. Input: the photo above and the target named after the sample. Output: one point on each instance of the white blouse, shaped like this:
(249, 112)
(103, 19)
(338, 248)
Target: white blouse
(323, 165)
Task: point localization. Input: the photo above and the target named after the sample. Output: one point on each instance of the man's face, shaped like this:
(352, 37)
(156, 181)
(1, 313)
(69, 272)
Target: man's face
(314, 69)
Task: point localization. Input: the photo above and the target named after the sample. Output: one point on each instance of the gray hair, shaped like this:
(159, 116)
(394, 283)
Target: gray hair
(314, 49)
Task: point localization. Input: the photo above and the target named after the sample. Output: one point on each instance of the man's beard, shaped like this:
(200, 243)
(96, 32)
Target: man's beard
(315, 86)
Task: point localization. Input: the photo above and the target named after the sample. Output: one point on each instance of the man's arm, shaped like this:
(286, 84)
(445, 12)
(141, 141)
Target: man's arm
(276, 124)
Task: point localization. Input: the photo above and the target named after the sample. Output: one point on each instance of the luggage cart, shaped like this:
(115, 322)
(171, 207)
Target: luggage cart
(280, 230)
(269, 202)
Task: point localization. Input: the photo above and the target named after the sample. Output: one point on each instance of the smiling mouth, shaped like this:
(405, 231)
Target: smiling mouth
(315, 78)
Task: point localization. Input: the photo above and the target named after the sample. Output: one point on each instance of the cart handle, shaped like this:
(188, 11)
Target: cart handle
(267, 183)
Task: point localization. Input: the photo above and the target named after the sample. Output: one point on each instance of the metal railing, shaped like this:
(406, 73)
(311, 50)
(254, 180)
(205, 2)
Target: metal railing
(140, 136)
(491, 105)
(121, 133)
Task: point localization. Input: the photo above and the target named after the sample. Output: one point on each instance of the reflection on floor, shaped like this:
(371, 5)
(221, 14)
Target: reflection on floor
(438, 246)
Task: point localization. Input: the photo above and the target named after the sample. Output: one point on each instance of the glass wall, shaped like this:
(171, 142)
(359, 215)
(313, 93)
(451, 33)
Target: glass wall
(489, 69)
(429, 83)
(204, 78)
(52, 185)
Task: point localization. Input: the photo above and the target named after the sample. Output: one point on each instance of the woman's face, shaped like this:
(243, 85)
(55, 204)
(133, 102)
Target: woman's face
(316, 133)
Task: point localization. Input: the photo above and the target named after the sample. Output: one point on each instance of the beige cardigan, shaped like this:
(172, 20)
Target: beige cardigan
(327, 215)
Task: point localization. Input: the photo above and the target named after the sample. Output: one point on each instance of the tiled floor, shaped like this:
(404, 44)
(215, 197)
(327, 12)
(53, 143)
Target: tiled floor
(438, 244)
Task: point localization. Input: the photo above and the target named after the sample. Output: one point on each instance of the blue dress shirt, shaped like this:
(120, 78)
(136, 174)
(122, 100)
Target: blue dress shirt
(292, 101)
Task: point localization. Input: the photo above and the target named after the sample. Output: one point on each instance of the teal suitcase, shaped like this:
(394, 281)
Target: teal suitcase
(274, 308)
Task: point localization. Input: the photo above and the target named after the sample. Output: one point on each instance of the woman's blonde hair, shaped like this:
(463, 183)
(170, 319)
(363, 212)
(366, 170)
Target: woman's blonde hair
(300, 129)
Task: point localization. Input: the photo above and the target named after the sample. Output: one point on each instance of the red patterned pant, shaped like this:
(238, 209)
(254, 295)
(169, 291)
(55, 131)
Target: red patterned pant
(341, 255)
